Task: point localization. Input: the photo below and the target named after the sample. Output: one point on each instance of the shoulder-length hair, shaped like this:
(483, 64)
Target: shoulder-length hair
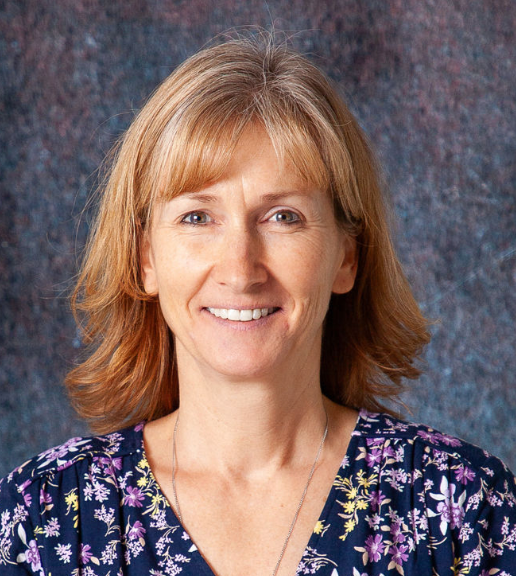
(182, 139)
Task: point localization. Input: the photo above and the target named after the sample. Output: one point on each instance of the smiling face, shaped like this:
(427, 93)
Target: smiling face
(244, 268)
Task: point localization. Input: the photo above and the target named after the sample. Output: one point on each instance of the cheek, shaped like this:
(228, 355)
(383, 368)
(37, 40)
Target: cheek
(180, 271)
(308, 268)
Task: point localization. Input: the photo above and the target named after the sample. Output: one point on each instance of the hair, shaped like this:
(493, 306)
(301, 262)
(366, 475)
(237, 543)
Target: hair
(182, 139)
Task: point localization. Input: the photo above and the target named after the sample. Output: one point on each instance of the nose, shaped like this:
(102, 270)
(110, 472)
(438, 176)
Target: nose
(240, 262)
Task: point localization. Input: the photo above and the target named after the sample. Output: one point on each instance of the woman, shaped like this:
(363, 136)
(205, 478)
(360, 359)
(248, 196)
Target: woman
(243, 301)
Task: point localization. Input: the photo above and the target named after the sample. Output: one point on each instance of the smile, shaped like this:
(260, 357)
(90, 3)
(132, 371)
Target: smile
(241, 315)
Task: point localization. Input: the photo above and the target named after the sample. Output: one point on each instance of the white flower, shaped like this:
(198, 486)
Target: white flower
(51, 528)
(451, 511)
(64, 552)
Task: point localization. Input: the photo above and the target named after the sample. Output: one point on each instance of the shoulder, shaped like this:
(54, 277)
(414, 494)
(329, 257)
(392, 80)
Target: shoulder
(430, 489)
(106, 450)
(427, 448)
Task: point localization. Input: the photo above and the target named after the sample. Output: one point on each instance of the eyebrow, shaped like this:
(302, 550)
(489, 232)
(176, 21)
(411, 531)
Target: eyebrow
(204, 198)
(270, 197)
(274, 196)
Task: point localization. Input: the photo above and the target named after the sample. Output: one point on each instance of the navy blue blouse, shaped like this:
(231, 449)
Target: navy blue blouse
(407, 500)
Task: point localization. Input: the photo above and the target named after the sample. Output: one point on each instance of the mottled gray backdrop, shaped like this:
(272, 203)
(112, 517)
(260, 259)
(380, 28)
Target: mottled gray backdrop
(432, 83)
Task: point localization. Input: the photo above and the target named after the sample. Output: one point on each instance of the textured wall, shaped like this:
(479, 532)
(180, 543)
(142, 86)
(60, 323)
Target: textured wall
(431, 81)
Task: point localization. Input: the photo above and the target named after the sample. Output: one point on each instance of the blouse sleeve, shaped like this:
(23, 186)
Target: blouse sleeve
(488, 532)
(19, 552)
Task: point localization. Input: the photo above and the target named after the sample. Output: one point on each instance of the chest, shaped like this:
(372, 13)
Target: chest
(254, 531)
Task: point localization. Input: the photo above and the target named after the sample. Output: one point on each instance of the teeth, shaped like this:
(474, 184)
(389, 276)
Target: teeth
(233, 314)
(246, 315)
(241, 315)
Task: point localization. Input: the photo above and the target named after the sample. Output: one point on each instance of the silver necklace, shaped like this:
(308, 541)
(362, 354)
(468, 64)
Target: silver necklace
(300, 504)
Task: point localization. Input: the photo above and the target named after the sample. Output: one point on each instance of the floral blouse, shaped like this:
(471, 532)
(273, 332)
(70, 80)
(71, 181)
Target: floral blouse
(406, 500)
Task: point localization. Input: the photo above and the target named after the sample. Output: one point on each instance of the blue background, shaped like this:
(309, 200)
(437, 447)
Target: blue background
(432, 82)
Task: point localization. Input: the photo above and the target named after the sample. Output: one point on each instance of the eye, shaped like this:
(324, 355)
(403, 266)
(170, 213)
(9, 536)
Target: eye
(285, 217)
(196, 218)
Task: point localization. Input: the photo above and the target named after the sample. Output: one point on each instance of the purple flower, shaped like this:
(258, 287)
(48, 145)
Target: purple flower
(374, 547)
(44, 497)
(374, 457)
(108, 465)
(134, 497)
(375, 441)
(32, 556)
(451, 512)
(396, 533)
(448, 440)
(117, 463)
(102, 461)
(27, 498)
(65, 465)
(373, 521)
(427, 436)
(376, 500)
(136, 531)
(399, 537)
(398, 554)
(464, 474)
(59, 452)
(84, 553)
(388, 451)
(24, 485)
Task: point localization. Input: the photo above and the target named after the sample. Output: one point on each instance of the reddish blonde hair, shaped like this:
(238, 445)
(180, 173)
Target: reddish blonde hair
(182, 139)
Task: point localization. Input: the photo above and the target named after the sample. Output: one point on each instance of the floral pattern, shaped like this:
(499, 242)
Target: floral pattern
(407, 500)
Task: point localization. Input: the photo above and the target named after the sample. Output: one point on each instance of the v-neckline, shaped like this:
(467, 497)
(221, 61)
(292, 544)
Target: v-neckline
(204, 566)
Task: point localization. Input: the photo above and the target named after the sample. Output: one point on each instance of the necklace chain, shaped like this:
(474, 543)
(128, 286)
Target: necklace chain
(299, 505)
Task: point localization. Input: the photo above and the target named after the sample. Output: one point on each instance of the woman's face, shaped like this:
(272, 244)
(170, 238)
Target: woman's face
(244, 268)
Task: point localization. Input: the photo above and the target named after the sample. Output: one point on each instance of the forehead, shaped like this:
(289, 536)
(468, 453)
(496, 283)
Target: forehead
(193, 163)
(255, 158)
(254, 176)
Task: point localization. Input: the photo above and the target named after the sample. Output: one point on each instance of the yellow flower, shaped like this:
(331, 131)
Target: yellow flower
(365, 482)
(349, 507)
(361, 504)
(142, 482)
(143, 463)
(72, 500)
(349, 525)
(352, 494)
(319, 527)
(156, 499)
(459, 570)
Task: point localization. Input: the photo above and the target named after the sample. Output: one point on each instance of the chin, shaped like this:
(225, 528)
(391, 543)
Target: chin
(243, 373)
(236, 367)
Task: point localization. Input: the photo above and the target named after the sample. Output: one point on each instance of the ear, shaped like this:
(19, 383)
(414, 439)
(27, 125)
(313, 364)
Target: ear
(345, 277)
(147, 266)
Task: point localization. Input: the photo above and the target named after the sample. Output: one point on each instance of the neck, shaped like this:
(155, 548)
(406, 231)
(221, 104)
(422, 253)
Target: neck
(249, 429)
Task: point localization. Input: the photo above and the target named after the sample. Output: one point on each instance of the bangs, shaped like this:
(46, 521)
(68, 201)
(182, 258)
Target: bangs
(194, 150)
(194, 122)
